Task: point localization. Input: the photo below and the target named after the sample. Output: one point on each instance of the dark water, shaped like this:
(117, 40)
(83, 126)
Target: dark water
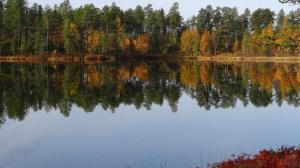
(144, 114)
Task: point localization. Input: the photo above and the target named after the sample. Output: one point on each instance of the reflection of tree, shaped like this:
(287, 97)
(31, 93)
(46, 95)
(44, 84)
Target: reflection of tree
(16, 103)
(259, 96)
(24, 87)
(2, 110)
(173, 95)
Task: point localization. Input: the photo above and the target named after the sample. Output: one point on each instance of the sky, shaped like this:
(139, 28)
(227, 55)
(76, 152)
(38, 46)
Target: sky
(188, 8)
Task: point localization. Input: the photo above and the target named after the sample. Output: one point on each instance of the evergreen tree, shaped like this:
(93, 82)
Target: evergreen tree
(229, 29)
(139, 17)
(261, 18)
(174, 20)
(204, 19)
(279, 19)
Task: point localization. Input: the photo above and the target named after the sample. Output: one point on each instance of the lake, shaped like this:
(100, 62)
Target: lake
(145, 114)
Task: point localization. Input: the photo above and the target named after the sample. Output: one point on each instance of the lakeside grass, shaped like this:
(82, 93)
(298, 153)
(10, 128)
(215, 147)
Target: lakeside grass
(53, 59)
(228, 59)
(222, 58)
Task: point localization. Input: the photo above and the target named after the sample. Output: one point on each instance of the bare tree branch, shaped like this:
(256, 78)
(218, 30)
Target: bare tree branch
(290, 1)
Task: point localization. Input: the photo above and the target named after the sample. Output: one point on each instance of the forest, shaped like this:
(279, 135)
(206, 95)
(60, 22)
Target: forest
(87, 30)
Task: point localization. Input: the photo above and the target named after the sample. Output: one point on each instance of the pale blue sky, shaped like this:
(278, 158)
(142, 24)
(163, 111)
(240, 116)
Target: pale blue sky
(188, 8)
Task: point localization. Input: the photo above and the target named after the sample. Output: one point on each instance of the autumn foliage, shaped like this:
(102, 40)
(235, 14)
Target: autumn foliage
(142, 43)
(93, 41)
(256, 34)
(283, 158)
(190, 42)
(206, 43)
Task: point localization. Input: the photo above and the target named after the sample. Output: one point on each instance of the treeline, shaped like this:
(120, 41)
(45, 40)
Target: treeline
(62, 29)
(87, 29)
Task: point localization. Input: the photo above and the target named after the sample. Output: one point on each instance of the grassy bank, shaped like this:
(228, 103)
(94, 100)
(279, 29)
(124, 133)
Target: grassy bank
(230, 58)
(53, 59)
(223, 58)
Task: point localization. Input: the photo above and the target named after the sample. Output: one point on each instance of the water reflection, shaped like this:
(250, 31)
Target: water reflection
(142, 84)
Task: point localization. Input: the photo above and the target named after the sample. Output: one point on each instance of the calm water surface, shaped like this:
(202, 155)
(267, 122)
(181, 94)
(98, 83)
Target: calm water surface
(144, 114)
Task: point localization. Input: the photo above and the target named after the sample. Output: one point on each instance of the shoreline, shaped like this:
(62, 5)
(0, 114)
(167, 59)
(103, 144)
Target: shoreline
(99, 59)
(53, 59)
(266, 59)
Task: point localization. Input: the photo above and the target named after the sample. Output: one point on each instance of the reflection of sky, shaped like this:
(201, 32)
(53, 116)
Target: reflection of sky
(145, 138)
(188, 7)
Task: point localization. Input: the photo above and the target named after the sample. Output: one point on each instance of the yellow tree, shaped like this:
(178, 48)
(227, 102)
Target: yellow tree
(142, 43)
(92, 42)
(124, 43)
(206, 43)
(189, 42)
